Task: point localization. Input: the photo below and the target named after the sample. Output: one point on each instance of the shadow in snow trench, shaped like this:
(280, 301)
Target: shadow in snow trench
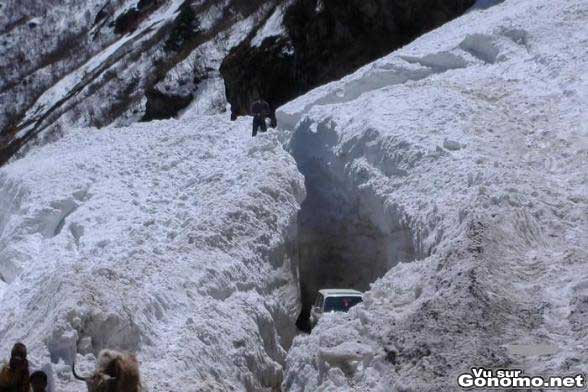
(340, 244)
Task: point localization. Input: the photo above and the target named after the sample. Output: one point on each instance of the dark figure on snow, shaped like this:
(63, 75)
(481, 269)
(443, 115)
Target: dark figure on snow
(14, 376)
(39, 381)
(260, 110)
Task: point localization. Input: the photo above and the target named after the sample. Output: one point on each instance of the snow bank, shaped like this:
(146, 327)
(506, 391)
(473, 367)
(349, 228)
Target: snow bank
(174, 239)
(472, 143)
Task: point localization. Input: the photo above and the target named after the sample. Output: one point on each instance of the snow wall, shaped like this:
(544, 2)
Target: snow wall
(454, 170)
(172, 239)
(347, 238)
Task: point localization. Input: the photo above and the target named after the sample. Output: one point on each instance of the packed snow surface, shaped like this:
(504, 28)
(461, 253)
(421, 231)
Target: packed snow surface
(473, 141)
(171, 239)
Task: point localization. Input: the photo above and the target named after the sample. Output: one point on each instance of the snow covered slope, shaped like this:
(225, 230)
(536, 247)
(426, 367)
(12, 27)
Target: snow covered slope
(174, 239)
(459, 164)
(86, 63)
(94, 63)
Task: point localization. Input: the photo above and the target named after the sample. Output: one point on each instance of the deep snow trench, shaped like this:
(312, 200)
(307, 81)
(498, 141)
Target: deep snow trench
(466, 151)
(344, 239)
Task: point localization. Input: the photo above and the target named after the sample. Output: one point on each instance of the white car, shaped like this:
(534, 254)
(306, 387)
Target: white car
(333, 300)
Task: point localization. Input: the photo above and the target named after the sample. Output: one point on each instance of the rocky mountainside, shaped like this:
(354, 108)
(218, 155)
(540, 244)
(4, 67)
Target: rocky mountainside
(93, 63)
(320, 41)
(100, 62)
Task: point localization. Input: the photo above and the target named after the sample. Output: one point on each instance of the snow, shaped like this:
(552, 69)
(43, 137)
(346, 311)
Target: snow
(69, 82)
(319, 6)
(472, 141)
(95, 65)
(104, 80)
(212, 15)
(207, 58)
(449, 179)
(340, 352)
(32, 59)
(273, 26)
(172, 239)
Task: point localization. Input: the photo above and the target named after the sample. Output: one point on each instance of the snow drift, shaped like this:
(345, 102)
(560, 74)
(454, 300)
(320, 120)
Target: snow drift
(174, 239)
(458, 163)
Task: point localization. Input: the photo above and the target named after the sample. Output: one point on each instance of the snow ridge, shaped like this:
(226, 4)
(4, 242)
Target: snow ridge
(474, 133)
(172, 239)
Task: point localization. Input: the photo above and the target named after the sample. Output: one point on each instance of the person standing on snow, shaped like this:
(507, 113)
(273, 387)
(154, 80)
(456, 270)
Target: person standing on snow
(260, 110)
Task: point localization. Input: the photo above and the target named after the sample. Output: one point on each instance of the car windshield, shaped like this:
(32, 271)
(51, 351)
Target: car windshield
(340, 304)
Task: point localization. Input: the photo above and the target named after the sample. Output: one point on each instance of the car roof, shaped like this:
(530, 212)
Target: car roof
(339, 292)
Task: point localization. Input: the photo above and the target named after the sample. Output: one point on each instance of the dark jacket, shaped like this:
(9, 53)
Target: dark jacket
(260, 108)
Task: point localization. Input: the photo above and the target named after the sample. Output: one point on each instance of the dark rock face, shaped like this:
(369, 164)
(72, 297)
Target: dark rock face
(326, 41)
(161, 106)
(129, 20)
(267, 72)
(185, 29)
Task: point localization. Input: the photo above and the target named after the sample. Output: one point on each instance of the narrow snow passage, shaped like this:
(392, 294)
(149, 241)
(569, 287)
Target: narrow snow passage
(346, 240)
